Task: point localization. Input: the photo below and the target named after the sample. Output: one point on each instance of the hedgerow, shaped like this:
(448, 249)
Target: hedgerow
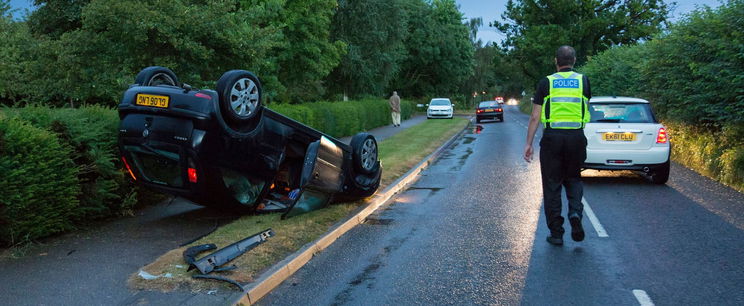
(343, 118)
(38, 183)
(693, 75)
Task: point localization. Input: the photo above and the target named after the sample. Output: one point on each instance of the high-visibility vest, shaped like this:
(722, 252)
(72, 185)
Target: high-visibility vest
(566, 104)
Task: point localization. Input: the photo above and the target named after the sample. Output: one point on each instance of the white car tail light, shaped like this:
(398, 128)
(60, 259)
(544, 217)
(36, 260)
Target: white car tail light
(661, 136)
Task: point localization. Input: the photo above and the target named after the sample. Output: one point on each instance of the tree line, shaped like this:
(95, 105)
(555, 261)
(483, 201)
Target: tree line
(71, 52)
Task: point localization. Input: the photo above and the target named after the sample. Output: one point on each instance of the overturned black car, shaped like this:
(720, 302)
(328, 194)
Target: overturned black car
(221, 148)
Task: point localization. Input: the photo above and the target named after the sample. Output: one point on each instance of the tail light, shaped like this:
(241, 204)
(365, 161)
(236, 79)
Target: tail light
(126, 164)
(499, 110)
(192, 175)
(203, 96)
(661, 137)
(478, 111)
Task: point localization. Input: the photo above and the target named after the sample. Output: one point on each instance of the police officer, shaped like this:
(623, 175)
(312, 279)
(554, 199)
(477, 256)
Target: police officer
(561, 104)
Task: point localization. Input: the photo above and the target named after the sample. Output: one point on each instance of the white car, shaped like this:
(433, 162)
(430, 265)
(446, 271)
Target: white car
(624, 135)
(440, 108)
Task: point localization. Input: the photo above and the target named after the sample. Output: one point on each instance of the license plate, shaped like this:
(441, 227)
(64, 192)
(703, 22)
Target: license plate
(619, 136)
(489, 110)
(152, 100)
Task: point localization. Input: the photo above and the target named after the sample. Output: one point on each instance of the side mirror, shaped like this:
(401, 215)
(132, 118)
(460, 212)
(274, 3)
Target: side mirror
(426, 105)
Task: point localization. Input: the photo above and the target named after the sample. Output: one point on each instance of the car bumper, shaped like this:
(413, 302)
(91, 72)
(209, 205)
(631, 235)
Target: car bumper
(439, 115)
(489, 116)
(635, 159)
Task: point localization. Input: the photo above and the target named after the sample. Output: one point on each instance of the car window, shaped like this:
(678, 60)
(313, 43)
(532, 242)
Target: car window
(440, 102)
(157, 166)
(244, 189)
(488, 104)
(621, 112)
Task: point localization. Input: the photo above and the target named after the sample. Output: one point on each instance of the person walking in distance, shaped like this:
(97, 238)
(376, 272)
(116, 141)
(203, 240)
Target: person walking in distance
(395, 108)
(561, 104)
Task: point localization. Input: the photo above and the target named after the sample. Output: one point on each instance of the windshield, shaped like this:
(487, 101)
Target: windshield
(488, 104)
(440, 102)
(621, 112)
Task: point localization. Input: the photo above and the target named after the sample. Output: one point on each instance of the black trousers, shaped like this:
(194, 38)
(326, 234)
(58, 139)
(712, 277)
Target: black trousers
(562, 152)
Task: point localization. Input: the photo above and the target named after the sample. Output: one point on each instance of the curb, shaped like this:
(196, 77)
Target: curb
(282, 270)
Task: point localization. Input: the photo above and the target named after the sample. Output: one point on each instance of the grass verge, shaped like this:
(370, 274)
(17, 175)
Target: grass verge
(398, 154)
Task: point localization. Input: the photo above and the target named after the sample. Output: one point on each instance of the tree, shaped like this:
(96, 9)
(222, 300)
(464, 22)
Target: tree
(439, 50)
(199, 41)
(308, 55)
(56, 17)
(536, 28)
(17, 42)
(373, 31)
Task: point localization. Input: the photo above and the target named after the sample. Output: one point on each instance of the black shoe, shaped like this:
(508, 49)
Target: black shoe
(555, 240)
(577, 231)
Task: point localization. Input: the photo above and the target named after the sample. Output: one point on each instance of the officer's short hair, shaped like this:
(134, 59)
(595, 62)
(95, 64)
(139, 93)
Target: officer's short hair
(565, 56)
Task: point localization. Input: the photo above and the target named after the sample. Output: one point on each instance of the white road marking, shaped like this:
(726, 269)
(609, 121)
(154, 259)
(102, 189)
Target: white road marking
(642, 298)
(593, 218)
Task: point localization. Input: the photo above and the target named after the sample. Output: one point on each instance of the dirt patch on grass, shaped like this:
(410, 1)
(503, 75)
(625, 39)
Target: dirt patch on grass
(398, 154)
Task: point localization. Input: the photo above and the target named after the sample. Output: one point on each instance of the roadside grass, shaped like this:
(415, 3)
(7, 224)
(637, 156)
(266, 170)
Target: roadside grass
(398, 154)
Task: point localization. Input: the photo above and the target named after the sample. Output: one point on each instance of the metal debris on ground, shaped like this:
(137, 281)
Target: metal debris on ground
(149, 276)
(222, 256)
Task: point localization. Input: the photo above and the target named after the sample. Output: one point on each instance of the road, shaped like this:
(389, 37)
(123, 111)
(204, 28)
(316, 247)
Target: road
(472, 231)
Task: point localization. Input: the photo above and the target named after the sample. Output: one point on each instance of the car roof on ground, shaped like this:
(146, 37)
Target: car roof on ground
(605, 99)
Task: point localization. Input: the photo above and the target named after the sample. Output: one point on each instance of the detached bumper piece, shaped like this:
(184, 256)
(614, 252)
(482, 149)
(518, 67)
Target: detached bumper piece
(214, 261)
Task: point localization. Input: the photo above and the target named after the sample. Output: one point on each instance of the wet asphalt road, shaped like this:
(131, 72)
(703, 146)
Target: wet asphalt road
(472, 231)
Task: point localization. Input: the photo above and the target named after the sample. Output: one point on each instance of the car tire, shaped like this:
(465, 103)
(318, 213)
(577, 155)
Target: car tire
(240, 96)
(661, 175)
(365, 153)
(477, 120)
(156, 75)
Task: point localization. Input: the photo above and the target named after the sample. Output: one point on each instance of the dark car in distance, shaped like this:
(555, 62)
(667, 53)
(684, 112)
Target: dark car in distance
(221, 148)
(489, 110)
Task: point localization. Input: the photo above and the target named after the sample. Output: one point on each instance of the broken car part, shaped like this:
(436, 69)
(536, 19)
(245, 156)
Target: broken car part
(224, 255)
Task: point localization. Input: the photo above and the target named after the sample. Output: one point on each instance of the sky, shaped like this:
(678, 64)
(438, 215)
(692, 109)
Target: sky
(489, 10)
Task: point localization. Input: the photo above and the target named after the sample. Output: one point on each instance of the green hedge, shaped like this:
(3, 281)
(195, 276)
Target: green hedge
(38, 183)
(693, 74)
(340, 119)
(716, 154)
(90, 134)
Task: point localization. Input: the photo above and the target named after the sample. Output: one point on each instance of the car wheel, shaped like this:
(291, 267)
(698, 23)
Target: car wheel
(240, 95)
(364, 153)
(156, 75)
(661, 175)
(501, 118)
(477, 120)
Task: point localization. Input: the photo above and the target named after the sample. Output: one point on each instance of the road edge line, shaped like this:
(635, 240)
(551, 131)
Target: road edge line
(282, 270)
(601, 232)
(643, 298)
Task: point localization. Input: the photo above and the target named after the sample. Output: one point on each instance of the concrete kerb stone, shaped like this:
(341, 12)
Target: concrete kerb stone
(282, 270)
